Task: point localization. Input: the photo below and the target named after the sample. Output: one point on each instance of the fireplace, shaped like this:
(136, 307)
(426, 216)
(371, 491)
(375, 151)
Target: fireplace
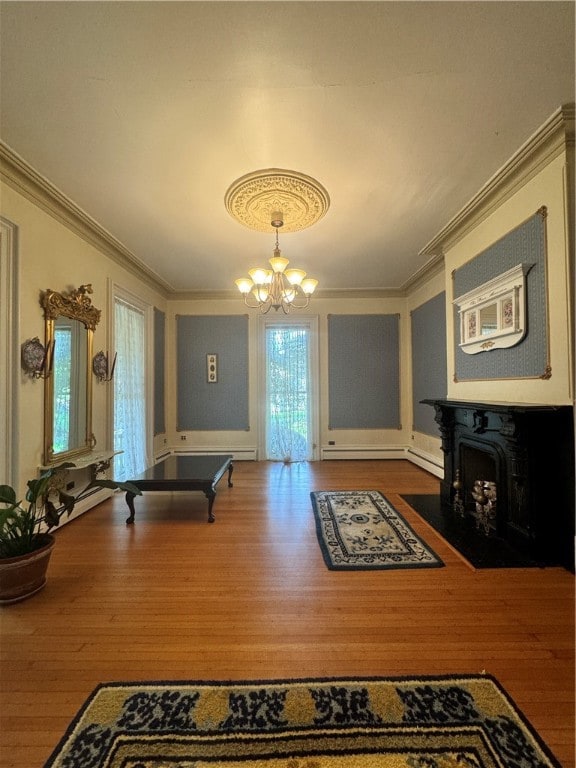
(524, 455)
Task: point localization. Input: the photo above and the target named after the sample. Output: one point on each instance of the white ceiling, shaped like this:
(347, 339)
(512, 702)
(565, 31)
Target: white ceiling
(143, 113)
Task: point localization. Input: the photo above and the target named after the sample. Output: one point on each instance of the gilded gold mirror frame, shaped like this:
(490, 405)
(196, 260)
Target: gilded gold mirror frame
(75, 305)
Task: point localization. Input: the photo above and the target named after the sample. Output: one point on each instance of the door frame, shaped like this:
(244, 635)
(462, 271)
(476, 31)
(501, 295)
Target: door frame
(308, 321)
(9, 351)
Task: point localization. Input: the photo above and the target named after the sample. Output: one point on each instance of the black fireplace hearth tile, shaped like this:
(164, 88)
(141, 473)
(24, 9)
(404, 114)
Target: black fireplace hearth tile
(480, 550)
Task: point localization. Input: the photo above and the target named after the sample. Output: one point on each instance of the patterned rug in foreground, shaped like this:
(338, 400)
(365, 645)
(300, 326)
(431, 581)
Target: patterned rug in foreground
(361, 530)
(429, 722)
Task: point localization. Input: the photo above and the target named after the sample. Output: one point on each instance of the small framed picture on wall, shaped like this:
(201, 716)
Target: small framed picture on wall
(211, 368)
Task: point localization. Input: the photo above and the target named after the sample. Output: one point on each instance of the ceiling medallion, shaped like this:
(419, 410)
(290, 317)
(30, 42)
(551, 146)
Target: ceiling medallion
(253, 198)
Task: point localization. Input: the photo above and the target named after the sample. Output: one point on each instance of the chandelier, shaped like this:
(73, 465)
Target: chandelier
(282, 198)
(279, 287)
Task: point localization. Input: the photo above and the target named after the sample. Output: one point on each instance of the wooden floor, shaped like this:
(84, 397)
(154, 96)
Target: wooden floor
(174, 598)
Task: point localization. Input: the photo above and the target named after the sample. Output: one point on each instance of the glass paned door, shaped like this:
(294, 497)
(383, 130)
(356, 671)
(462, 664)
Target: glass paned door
(288, 393)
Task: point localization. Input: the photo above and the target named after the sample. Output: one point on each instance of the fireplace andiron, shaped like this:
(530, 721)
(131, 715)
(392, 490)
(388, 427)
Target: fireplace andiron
(458, 504)
(484, 494)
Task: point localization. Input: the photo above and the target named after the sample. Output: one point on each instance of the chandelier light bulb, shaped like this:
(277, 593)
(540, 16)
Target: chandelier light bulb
(309, 285)
(261, 293)
(278, 263)
(244, 284)
(259, 276)
(295, 276)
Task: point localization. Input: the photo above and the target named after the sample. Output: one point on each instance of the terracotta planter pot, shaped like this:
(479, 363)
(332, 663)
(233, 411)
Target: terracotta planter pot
(23, 576)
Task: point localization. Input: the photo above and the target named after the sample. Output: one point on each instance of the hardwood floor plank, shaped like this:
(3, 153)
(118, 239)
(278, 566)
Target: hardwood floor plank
(250, 597)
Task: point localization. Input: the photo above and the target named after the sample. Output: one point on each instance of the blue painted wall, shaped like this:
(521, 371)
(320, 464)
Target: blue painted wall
(429, 365)
(202, 405)
(529, 358)
(364, 371)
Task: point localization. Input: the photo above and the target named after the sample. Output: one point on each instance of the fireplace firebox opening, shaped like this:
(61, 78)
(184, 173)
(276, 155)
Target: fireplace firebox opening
(477, 464)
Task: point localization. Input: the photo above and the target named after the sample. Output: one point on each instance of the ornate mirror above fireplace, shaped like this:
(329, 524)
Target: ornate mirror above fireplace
(70, 320)
(493, 316)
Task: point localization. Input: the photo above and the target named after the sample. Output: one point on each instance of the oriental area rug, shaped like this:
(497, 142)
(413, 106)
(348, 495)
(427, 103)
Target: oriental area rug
(428, 722)
(361, 530)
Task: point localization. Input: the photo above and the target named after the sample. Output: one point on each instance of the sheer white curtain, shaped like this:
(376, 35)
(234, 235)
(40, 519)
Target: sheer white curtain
(129, 390)
(287, 393)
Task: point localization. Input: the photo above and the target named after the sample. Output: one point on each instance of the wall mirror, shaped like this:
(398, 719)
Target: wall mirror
(70, 321)
(493, 316)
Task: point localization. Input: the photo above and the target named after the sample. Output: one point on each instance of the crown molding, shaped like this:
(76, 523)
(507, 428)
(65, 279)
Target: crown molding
(433, 267)
(222, 295)
(345, 293)
(553, 138)
(360, 293)
(19, 175)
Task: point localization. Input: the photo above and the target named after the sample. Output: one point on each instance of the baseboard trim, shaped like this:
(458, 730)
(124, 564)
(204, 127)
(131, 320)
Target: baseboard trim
(422, 459)
(425, 461)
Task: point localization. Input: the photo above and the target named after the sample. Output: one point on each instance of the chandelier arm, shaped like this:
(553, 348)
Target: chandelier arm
(251, 306)
(272, 288)
(298, 296)
(295, 305)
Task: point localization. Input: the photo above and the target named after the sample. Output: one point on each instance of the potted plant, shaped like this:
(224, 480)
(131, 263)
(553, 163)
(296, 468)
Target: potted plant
(26, 541)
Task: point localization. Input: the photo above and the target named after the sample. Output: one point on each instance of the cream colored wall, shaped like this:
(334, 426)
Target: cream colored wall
(52, 256)
(544, 188)
(393, 439)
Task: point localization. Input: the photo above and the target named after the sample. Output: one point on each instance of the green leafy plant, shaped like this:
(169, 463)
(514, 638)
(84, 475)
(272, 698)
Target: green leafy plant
(23, 527)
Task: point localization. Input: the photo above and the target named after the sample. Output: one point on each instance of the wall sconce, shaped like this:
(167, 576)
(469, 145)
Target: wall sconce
(37, 360)
(100, 367)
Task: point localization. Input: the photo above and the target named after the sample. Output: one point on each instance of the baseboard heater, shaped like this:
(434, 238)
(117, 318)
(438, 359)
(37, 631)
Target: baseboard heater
(238, 454)
(362, 452)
